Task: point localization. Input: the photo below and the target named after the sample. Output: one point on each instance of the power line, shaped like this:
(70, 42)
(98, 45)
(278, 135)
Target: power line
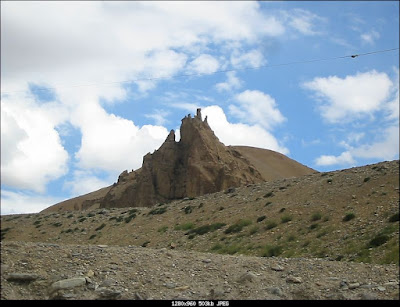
(218, 71)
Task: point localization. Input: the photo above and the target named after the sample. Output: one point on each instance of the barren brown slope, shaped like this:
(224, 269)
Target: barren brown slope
(83, 202)
(273, 165)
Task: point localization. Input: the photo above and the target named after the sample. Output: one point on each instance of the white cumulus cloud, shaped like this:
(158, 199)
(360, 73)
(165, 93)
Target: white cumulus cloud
(256, 107)
(240, 134)
(349, 98)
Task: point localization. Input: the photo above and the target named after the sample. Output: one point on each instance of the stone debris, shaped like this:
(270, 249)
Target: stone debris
(123, 273)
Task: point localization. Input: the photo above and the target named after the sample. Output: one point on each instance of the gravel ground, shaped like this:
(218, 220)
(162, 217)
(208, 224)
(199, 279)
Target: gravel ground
(38, 271)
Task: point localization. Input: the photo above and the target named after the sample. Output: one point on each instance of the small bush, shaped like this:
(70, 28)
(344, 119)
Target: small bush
(272, 251)
(92, 237)
(145, 243)
(267, 203)
(269, 194)
(329, 180)
(253, 230)
(186, 226)
(36, 222)
(394, 218)
(378, 240)
(100, 227)
(160, 210)
(271, 225)
(90, 214)
(82, 219)
(58, 224)
(349, 216)
(261, 218)
(204, 229)
(162, 229)
(130, 218)
(366, 179)
(188, 209)
(286, 218)
(238, 226)
(313, 226)
(316, 216)
(132, 211)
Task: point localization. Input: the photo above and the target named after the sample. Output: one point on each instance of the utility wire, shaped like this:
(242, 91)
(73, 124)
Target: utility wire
(219, 71)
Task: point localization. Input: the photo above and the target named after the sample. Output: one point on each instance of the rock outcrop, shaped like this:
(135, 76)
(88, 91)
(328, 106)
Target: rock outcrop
(198, 164)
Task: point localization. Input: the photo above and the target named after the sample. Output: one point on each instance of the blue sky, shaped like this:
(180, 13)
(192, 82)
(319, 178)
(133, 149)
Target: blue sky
(88, 88)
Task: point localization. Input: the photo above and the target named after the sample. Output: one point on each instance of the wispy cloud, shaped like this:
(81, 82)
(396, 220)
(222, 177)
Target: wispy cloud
(370, 37)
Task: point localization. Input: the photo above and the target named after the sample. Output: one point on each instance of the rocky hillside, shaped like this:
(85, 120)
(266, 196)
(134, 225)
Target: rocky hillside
(343, 215)
(331, 235)
(196, 165)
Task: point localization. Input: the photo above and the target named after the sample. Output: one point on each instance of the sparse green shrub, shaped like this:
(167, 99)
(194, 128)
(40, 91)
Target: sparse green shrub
(204, 229)
(57, 224)
(329, 180)
(313, 226)
(271, 251)
(394, 218)
(269, 194)
(119, 219)
(130, 218)
(378, 240)
(326, 218)
(366, 179)
(132, 211)
(271, 225)
(321, 233)
(36, 222)
(4, 231)
(216, 247)
(282, 210)
(82, 219)
(316, 216)
(90, 214)
(186, 226)
(188, 209)
(286, 218)
(261, 218)
(160, 210)
(100, 227)
(238, 226)
(162, 229)
(68, 230)
(349, 216)
(253, 230)
(144, 244)
(267, 203)
(70, 215)
(201, 205)
(92, 236)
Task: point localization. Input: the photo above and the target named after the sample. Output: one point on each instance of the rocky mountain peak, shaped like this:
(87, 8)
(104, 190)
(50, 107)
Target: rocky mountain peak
(198, 164)
(195, 165)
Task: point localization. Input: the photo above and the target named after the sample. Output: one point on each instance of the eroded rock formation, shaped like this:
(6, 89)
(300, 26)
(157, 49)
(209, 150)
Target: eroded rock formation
(198, 164)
